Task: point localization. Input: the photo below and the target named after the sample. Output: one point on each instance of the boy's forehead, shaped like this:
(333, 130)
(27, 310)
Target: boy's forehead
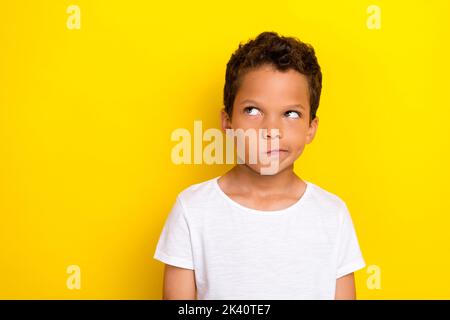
(271, 86)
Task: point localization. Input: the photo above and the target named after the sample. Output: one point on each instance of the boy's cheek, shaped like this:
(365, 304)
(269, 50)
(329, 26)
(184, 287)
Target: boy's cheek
(246, 124)
(297, 153)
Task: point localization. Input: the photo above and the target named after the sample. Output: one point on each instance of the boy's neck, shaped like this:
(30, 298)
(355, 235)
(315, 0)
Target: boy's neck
(253, 182)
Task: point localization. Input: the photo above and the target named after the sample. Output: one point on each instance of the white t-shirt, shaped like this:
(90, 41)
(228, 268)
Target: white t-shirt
(243, 253)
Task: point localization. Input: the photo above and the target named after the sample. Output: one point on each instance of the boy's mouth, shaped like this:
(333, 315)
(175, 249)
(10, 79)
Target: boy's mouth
(276, 152)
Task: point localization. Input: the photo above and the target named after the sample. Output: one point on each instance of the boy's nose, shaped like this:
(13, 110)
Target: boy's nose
(271, 130)
(271, 133)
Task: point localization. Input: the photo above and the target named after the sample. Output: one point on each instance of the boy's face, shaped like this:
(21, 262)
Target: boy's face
(271, 99)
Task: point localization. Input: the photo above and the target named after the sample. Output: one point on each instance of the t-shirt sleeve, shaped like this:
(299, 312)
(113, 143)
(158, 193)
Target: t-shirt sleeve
(349, 256)
(174, 245)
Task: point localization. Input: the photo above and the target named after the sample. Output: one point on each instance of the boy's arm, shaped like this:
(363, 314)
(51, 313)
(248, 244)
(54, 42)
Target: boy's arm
(345, 287)
(179, 283)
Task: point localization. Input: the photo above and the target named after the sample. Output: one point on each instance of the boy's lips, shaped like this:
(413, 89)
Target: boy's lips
(276, 151)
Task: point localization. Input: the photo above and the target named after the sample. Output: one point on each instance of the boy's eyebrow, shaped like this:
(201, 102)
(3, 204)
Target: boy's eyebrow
(288, 106)
(295, 105)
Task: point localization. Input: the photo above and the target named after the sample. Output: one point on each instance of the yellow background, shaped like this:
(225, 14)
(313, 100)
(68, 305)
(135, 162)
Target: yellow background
(86, 116)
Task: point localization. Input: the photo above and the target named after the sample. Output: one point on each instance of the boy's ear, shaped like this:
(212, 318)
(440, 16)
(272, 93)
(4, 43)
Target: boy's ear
(312, 130)
(225, 120)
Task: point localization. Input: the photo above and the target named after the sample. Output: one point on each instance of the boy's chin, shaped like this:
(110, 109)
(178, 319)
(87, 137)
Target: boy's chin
(267, 169)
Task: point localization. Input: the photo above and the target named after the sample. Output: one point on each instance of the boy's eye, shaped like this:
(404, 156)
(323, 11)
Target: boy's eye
(293, 114)
(253, 111)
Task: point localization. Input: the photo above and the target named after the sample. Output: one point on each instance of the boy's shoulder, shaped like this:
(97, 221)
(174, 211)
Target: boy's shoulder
(198, 192)
(324, 197)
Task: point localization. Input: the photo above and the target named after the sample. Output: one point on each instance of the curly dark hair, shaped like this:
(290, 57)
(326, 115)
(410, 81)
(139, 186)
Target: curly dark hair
(281, 52)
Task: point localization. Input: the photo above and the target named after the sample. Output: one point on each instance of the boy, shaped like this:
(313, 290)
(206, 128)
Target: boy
(249, 235)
